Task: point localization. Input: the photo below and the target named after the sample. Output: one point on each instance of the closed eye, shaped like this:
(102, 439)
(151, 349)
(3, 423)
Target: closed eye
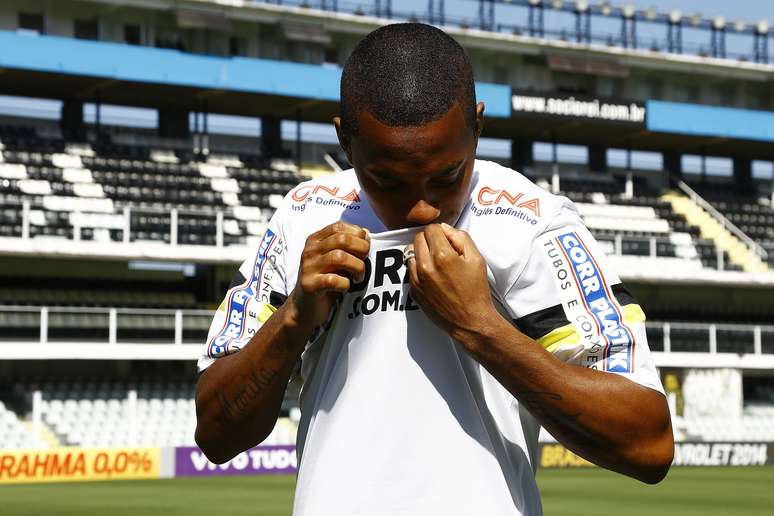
(385, 183)
(449, 178)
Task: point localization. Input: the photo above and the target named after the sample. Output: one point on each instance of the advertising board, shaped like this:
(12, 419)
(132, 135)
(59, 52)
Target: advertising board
(261, 460)
(74, 464)
(567, 106)
(555, 455)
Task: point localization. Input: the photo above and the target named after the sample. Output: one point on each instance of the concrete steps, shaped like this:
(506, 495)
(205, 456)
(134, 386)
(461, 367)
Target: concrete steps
(710, 228)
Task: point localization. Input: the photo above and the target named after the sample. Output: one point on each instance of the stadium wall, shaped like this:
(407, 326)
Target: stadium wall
(80, 464)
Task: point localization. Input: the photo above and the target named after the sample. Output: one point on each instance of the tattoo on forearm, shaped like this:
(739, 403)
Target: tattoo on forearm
(537, 404)
(254, 384)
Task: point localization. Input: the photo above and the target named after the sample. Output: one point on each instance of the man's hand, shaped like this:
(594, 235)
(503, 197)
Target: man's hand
(332, 257)
(238, 398)
(449, 280)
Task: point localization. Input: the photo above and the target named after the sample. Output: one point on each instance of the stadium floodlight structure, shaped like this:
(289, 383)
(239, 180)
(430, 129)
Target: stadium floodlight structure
(718, 37)
(582, 21)
(535, 18)
(382, 8)
(437, 15)
(629, 26)
(761, 42)
(673, 22)
(486, 16)
(329, 5)
(675, 31)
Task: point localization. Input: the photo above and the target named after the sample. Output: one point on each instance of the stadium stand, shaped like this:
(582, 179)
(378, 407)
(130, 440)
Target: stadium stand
(85, 192)
(75, 179)
(15, 433)
(93, 192)
(714, 409)
(642, 231)
(750, 212)
(153, 412)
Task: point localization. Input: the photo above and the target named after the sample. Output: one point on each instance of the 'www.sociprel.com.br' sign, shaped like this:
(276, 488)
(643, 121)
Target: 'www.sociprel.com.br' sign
(579, 108)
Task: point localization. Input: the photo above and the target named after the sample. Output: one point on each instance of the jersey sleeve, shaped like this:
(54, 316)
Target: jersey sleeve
(573, 304)
(257, 289)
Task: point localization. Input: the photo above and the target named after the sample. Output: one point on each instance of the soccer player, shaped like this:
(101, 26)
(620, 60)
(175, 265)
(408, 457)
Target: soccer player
(442, 309)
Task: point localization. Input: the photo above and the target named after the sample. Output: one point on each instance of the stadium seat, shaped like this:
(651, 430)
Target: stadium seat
(99, 414)
(639, 226)
(78, 179)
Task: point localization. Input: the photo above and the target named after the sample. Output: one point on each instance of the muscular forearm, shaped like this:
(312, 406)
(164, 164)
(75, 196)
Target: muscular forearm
(238, 398)
(602, 417)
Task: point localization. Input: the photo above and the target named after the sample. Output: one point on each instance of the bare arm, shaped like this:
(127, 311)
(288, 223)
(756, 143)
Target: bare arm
(603, 417)
(238, 398)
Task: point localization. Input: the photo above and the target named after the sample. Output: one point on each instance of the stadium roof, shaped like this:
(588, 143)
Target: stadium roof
(66, 68)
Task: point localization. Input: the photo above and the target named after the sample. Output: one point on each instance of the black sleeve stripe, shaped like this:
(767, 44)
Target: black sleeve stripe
(623, 295)
(543, 322)
(237, 280)
(277, 299)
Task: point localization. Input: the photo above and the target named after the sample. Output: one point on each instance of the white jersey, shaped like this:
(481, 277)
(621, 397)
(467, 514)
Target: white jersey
(397, 419)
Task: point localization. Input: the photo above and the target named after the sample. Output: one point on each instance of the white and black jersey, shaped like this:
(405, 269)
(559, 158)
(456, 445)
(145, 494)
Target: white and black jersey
(397, 419)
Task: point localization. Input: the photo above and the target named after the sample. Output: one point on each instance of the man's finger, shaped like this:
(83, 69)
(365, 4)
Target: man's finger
(342, 262)
(424, 260)
(459, 240)
(436, 239)
(346, 242)
(411, 264)
(331, 283)
(340, 227)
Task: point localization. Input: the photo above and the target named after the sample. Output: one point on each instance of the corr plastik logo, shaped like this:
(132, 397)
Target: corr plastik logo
(237, 300)
(599, 303)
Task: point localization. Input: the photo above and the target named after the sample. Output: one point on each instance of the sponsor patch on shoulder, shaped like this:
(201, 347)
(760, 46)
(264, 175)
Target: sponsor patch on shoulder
(238, 301)
(588, 302)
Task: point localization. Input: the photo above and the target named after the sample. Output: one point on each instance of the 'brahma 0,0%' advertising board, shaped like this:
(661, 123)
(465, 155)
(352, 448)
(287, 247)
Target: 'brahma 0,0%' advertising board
(74, 464)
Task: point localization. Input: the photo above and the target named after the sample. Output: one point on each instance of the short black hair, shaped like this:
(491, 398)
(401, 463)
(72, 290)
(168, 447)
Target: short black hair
(406, 75)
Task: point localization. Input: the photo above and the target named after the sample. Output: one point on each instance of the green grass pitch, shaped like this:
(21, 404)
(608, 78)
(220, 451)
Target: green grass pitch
(577, 492)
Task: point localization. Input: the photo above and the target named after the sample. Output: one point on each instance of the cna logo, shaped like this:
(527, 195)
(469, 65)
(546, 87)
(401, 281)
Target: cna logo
(489, 196)
(301, 193)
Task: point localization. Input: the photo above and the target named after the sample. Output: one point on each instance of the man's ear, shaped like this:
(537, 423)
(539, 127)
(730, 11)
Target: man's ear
(479, 119)
(344, 140)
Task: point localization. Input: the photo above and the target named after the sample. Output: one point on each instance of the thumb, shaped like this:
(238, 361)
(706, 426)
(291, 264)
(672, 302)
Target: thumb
(458, 239)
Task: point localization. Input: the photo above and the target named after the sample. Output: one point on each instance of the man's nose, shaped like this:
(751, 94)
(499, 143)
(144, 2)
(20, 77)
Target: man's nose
(422, 213)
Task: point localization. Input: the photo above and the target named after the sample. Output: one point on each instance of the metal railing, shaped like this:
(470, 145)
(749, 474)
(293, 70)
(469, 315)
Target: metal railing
(710, 338)
(172, 234)
(656, 247)
(110, 326)
(722, 220)
(217, 218)
(505, 16)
